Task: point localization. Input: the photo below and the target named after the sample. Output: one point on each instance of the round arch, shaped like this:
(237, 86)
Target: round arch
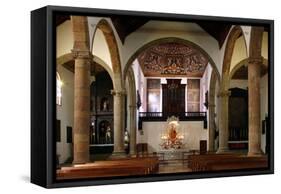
(67, 58)
(108, 33)
(234, 34)
(245, 62)
(132, 101)
(169, 40)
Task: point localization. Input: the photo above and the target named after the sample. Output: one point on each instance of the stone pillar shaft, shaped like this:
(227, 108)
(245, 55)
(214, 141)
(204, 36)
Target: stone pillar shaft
(81, 110)
(211, 127)
(254, 70)
(223, 119)
(132, 126)
(118, 109)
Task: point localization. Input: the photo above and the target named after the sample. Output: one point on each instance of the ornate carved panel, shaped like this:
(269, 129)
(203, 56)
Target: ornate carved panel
(153, 95)
(172, 59)
(193, 95)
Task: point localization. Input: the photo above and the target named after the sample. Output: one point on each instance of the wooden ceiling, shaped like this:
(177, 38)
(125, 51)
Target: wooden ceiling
(126, 25)
(172, 59)
(61, 18)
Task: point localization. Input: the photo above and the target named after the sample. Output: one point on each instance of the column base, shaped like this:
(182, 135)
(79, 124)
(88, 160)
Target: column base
(256, 153)
(223, 150)
(133, 153)
(80, 162)
(118, 154)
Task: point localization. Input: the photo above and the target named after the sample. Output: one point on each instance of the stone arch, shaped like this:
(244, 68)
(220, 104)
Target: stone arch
(108, 33)
(212, 108)
(245, 62)
(118, 92)
(68, 58)
(168, 40)
(233, 36)
(132, 86)
(224, 94)
(102, 63)
(237, 66)
(131, 93)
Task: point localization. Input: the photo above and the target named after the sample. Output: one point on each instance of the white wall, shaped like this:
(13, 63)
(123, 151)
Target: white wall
(64, 38)
(92, 23)
(100, 48)
(193, 131)
(65, 112)
(264, 48)
(239, 52)
(204, 87)
(140, 84)
(238, 83)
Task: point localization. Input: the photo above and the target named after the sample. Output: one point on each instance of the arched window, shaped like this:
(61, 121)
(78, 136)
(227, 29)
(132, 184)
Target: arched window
(59, 90)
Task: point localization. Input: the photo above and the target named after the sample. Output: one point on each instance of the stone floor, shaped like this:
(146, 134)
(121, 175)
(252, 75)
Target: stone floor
(173, 166)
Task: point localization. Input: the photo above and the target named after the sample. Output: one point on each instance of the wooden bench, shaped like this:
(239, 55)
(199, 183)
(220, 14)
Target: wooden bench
(238, 163)
(211, 162)
(114, 167)
(196, 162)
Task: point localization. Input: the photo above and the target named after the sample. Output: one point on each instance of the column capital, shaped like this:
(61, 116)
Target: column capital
(211, 105)
(81, 54)
(133, 106)
(118, 93)
(224, 93)
(255, 60)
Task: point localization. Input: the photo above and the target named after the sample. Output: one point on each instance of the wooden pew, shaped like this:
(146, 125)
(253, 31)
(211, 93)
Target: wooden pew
(196, 162)
(211, 162)
(114, 167)
(238, 163)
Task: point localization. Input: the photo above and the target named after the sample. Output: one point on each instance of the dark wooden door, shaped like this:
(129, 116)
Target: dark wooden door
(238, 118)
(173, 102)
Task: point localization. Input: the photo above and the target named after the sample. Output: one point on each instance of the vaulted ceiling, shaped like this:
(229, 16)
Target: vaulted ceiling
(172, 59)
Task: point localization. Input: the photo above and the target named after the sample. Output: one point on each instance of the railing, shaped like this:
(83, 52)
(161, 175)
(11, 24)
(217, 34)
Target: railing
(162, 116)
(177, 114)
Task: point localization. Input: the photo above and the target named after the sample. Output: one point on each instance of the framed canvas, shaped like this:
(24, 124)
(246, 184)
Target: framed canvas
(124, 96)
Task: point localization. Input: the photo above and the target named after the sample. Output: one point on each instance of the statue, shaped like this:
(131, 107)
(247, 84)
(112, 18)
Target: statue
(108, 135)
(173, 133)
(104, 104)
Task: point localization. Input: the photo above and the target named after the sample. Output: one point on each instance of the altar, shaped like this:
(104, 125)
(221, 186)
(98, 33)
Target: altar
(173, 154)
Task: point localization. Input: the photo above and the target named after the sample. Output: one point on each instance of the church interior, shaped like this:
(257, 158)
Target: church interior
(140, 96)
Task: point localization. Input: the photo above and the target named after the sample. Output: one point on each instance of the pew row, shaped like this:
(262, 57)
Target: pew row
(109, 168)
(215, 162)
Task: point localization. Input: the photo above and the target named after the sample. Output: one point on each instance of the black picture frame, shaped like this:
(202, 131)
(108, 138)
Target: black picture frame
(43, 98)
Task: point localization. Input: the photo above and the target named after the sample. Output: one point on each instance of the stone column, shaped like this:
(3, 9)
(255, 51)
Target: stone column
(81, 106)
(118, 121)
(254, 71)
(132, 116)
(211, 126)
(223, 119)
